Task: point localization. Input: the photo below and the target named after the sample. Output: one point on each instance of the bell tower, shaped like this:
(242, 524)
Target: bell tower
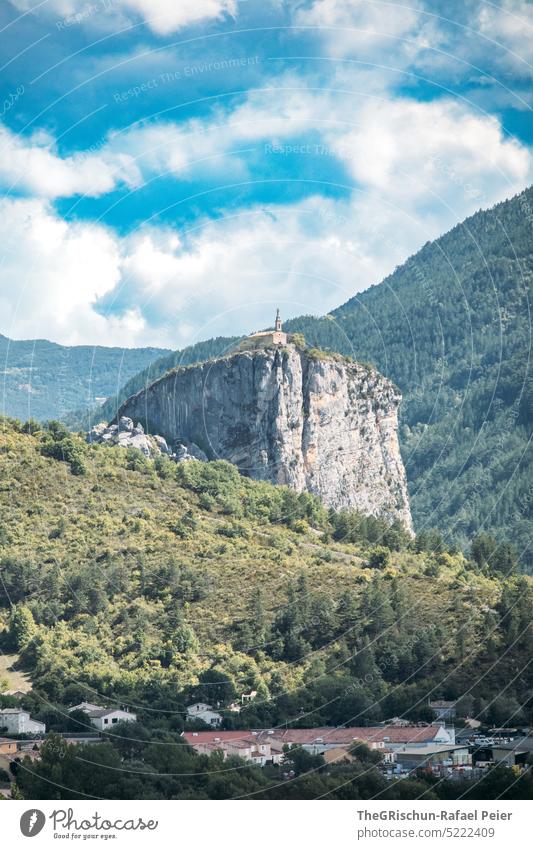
(277, 324)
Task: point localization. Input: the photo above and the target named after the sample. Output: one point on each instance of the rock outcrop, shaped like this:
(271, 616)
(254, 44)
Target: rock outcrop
(313, 422)
(127, 435)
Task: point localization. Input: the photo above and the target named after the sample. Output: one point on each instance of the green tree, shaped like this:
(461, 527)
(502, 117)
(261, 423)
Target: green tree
(22, 627)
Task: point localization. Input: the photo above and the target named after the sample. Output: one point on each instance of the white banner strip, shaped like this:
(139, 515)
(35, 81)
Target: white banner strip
(262, 825)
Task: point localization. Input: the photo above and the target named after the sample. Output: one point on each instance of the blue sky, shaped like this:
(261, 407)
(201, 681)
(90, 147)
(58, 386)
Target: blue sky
(175, 170)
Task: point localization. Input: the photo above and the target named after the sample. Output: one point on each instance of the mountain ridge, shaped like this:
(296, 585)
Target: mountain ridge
(46, 380)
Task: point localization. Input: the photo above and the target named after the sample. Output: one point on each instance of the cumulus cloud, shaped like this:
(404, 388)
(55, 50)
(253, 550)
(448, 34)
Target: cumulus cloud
(166, 16)
(363, 29)
(417, 168)
(413, 151)
(431, 153)
(52, 272)
(82, 283)
(439, 151)
(162, 16)
(461, 42)
(33, 165)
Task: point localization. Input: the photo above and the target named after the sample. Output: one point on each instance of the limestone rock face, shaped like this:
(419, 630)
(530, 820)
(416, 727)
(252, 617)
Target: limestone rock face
(319, 424)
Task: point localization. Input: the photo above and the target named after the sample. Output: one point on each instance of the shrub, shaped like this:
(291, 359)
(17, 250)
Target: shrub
(62, 445)
(379, 557)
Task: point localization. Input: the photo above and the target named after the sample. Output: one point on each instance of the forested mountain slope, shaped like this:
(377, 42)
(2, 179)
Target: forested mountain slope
(452, 327)
(42, 380)
(155, 584)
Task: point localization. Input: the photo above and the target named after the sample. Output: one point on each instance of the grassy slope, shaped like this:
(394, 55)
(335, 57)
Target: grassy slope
(13, 677)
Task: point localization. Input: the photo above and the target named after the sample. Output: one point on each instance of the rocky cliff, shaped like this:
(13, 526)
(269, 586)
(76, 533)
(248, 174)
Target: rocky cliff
(314, 423)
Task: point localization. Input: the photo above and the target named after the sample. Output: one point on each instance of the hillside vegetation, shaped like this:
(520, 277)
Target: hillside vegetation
(154, 583)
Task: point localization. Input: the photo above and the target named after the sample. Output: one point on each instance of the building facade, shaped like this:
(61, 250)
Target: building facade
(18, 721)
(268, 338)
(104, 718)
(205, 713)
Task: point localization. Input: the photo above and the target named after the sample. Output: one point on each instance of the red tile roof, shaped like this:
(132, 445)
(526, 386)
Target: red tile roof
(345, 736)
(306, 736)
(195, 737)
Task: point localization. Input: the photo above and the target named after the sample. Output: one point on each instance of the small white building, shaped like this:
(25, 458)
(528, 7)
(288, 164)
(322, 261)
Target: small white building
(205, 713)
(248, 697)
(105, 718)
(18, 721)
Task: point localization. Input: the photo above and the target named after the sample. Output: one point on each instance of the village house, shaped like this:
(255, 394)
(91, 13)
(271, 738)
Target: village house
(338, 756)
(85, 707)
(205, 713)
(19, 721)
(319, 741)
(258, 752)
(248, 697)
(251, 746)
(104, 718)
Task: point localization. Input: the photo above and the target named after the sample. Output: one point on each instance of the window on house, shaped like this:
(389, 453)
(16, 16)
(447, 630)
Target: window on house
(114, 720)
(106, 721)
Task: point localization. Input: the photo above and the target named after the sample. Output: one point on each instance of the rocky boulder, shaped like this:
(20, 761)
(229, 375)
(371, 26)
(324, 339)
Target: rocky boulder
(128, 435)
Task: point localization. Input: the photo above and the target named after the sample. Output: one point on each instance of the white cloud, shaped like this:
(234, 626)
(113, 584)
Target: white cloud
(135, 156)
(362, 29)
(510, 25)
(413, 151)
(441, 42)
(52, 272)
(428, 153)
(34, 166)
(166, 16)
(162, 16)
